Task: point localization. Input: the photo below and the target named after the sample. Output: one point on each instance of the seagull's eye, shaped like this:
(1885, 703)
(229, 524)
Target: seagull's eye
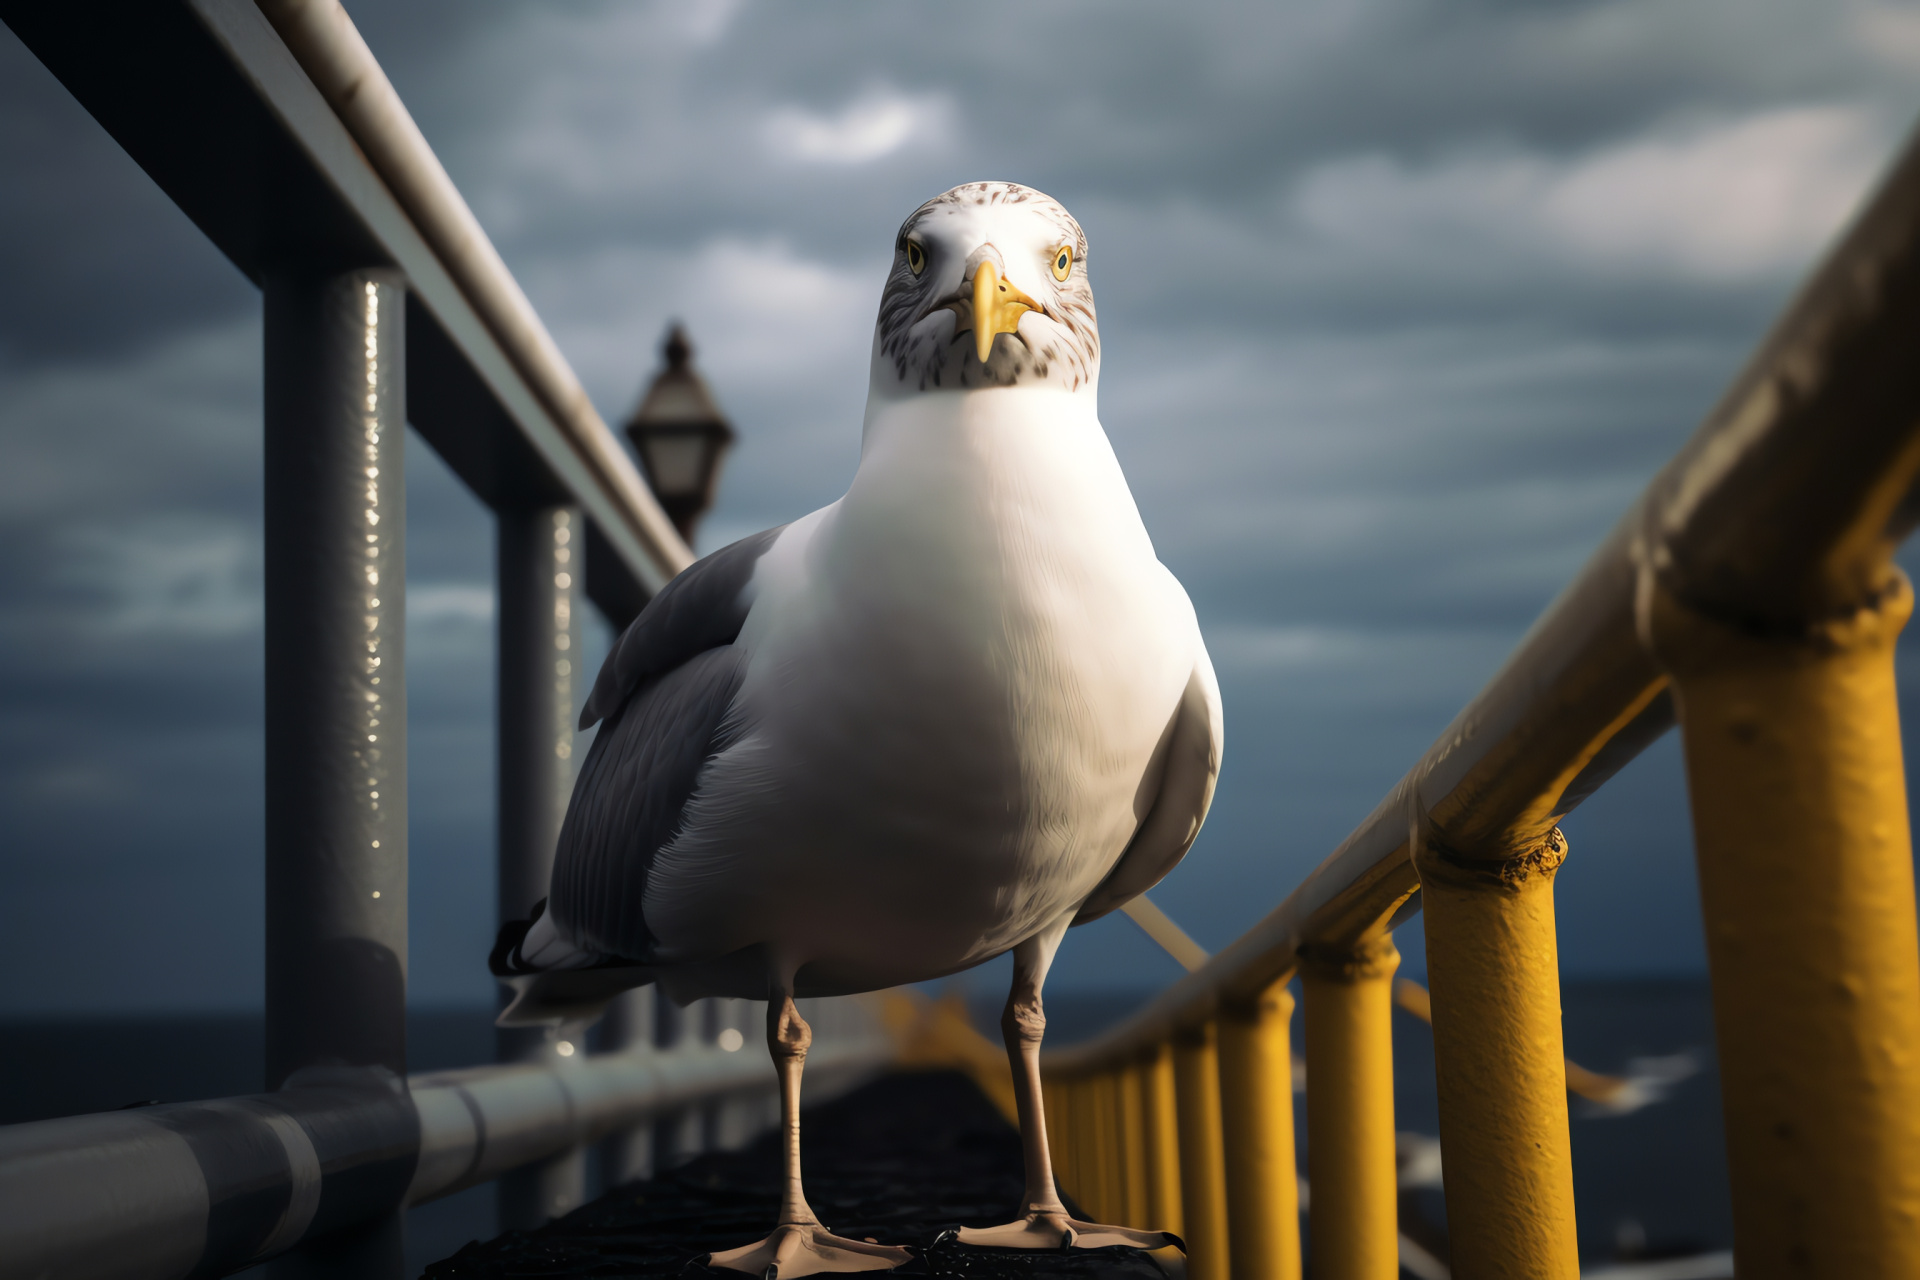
(1062, 263)
(916, 258)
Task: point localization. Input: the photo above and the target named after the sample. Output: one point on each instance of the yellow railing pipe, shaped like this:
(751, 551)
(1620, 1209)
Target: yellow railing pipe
(1256, 1104)
(1203, 1191)
(1113, 1183)
(1133, 1145)
(1751, 584)
(1117, 1210)
(1353, 1215)
(1091, 1188)
(1493, 964)
(1163, 1142)
(1794, 766)
(1594, 1086)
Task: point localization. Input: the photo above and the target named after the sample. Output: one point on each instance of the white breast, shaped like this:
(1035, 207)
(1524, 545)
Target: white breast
(958, 676)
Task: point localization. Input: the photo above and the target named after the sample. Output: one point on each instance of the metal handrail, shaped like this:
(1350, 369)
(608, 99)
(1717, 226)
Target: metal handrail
(330, 49)
(300, 141)
(205, 1188)
(1773, 526)
(480, 1122)
(302, 158)
(1781, 511)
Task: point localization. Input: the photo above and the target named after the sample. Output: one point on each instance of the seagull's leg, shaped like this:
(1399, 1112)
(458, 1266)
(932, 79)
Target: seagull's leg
(799, 1245)
(1043, 1221)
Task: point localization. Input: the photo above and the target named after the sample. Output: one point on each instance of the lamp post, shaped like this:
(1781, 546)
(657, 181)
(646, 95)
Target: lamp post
(680, 436)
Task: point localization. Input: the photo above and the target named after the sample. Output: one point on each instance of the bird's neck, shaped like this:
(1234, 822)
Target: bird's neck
(999, 432)
(937, 419)
(960, 466)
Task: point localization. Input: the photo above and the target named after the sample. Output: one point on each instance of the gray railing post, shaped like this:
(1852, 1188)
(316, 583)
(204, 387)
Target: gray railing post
(679, 1134)
(541, 550)
(628, 1155)
(734, 1121)
(336, 707)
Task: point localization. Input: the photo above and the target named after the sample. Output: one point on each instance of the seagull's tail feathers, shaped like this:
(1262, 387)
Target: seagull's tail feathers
(569, 995)
(552, 979)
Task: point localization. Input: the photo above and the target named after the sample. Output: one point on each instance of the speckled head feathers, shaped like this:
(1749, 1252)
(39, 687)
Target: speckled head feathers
(924, 340)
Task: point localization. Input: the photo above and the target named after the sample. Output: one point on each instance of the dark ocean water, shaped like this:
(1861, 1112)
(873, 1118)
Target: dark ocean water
(1649, 1183)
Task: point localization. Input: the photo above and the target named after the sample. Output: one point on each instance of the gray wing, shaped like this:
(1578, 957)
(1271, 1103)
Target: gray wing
(1188, 765)
(663, 695)
(701, 609)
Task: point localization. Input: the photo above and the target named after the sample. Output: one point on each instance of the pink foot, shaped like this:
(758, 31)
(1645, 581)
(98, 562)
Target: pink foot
(806, 1249)
(1044, 1229)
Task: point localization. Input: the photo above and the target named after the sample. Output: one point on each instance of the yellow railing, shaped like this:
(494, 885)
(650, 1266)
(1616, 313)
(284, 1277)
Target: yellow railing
(1750, 593)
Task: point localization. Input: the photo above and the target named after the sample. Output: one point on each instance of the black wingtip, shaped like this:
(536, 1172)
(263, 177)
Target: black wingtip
(504, 960)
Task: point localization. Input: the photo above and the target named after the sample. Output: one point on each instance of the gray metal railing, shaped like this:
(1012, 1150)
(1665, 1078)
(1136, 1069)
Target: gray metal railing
(271, 125)
(206, 1188)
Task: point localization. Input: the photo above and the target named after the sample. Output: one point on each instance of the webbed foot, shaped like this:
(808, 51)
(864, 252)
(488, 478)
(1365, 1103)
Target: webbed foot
(805, 1249)
(1052, 1229)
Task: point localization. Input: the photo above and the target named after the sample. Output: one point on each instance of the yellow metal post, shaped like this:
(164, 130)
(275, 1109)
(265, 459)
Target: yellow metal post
(1113, 1174)
(1353, 1216)
(1163, 1143)
(1493, 965)
(1084, 1155)
(1112, 1183)
(1256, 1095)
(1133, 1146)
(1101, 1183)
(1806, 882)
(1203, 1190)
(1093, 1171)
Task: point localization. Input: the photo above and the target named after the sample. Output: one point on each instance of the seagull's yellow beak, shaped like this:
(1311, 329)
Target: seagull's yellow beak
(997, 308)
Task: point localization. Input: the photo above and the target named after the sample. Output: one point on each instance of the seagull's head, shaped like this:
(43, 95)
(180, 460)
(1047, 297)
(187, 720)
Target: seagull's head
(988, 289)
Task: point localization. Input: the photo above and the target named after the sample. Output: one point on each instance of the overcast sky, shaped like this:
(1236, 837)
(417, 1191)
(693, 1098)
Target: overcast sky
(1401, 303)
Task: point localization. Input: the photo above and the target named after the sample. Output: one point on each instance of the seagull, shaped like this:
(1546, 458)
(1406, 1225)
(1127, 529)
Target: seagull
(945, 717)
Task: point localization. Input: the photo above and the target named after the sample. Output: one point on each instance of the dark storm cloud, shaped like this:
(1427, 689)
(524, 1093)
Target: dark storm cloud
(1400, 303)
(95, 260)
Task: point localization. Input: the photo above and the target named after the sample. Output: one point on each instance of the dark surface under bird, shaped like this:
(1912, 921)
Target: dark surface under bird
(900, 1160)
